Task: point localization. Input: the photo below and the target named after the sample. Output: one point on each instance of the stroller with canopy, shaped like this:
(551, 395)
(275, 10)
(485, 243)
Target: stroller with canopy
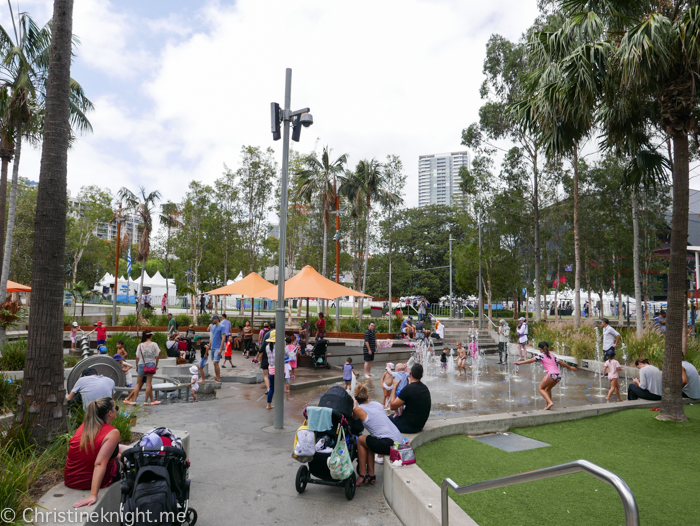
(315, 468)
(155, 486)
(318, 354)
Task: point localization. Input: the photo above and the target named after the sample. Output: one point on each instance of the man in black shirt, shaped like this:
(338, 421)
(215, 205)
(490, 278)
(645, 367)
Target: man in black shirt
(416, 397)
(370, 349)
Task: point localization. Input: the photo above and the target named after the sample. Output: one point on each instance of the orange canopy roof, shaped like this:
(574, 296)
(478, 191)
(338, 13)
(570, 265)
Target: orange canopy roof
(16, 287)
(310, 284)
(250, 286)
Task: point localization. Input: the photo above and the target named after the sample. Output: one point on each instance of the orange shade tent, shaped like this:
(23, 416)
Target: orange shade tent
(249, 287)
(16, 287)
(310, 284)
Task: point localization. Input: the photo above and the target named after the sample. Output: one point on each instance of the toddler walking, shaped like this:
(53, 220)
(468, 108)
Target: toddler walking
(227, 351)
(194, 382)
(348, 371)
(612, 366)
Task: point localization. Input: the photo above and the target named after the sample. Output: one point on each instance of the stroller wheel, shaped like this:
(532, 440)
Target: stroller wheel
(190, 518)
(302, 479)
(314, 365)
(350, 487)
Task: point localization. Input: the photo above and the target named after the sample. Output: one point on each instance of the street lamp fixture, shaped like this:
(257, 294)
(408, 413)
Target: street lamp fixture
(281, 118)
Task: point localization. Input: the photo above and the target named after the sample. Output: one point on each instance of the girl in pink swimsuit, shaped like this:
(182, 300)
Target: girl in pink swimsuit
(552, 372)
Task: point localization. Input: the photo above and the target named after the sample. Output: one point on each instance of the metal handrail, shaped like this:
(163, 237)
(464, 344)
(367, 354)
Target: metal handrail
(492, 323)
(623, 490)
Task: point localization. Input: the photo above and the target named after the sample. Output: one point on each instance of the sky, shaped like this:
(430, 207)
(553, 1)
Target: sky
(179, 86)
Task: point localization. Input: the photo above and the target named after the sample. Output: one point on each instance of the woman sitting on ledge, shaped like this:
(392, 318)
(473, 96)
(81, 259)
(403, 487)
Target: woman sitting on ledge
(93, 451)
(382, 434)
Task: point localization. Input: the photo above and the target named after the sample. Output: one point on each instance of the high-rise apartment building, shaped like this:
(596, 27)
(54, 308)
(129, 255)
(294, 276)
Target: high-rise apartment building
(438, 178)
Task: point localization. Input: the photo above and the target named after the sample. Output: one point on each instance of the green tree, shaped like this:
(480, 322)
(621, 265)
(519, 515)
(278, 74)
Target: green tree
(257, 183)
(23, 241)
(92, 207)
(43, 393)
(169, 218)
(143, 205)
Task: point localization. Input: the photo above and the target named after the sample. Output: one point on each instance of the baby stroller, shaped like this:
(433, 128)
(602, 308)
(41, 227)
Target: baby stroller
(317, 471)
(318, 354)
(186, 345)
(155, 487)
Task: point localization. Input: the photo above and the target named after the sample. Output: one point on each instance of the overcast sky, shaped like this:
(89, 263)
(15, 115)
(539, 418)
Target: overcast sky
(180, 85)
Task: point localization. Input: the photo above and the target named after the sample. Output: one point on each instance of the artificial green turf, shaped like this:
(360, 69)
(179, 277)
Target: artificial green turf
(660, 461)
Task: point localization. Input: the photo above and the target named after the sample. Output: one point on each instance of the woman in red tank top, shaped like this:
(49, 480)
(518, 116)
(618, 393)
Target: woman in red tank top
(93, 451)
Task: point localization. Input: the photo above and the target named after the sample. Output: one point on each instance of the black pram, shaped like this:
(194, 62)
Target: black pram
(337, 399)
(318, 354)
(155, 487)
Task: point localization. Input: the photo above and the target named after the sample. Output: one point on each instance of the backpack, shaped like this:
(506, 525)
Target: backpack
(152, 499)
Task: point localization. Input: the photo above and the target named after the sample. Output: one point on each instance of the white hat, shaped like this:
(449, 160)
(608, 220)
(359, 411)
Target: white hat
(194, 369)
(522, 319)
(75, 324)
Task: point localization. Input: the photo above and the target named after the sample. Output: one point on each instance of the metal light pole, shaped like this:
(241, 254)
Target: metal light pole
(337, 249)
(451, 274)
(119, 221)
(286, 117)
(481, 299)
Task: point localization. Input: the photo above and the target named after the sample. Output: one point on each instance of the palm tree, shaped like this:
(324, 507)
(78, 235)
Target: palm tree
(170, 218)
(80, 292)
(317, 181)
(647, 54)
(43, 391)
(143, 206)
(23, 72)
(366, 183)
(7, 152)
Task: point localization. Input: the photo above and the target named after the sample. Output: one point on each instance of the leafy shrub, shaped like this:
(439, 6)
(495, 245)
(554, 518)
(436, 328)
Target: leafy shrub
(349, 325)
(9, 393)
(203, 320)
(148, 314)
(130, 344)
(160, 338)
(70, 361)
(14, 355)
(122, 422)
(128, 320)
(183, 320)
(330, 323)
(25, 464)
(159, 320)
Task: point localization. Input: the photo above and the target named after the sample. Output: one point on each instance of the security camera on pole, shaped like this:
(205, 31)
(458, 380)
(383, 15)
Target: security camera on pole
(297, 119)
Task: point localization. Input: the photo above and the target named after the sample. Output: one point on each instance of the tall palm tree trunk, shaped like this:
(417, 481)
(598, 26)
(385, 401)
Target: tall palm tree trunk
(364, 277)
(635, 258)
(43, 393)
(577, 248)
(536, 206)
(139, 306)
(6, 154)
(11, 217)
(672, 402)
(325, 255)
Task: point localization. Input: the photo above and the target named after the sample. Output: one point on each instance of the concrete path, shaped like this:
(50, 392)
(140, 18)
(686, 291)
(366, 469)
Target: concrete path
(242, 472)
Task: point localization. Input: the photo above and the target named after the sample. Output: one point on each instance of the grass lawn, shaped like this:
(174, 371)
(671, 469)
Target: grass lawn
(660, 461)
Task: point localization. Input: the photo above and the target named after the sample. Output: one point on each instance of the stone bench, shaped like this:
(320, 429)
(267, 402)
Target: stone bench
(56, 506)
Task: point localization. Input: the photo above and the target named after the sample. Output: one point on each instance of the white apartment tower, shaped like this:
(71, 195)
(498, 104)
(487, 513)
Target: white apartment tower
(438, 178)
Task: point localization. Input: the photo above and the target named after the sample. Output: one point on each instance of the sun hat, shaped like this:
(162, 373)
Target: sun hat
(99, 324)
(194, 369)
(151, 440)
(118, 357)
(521, 319)
(197, 337)
(390, 366)
(74, 324)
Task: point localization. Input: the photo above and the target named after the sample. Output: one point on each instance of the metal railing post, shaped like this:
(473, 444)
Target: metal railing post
(628, 501)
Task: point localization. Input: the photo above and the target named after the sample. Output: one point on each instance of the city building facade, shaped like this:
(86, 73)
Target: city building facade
(438, 178)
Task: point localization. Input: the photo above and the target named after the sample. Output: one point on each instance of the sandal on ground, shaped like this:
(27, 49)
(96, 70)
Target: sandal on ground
(370, 479)
(157, 402)
(362, 479)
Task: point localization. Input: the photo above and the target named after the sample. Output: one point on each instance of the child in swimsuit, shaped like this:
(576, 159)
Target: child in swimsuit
(552, 372)
(443, 361)
(387, 383)
(461, 360)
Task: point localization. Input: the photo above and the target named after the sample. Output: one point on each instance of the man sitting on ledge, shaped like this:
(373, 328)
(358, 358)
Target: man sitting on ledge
(648, 386)
(416, 398)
